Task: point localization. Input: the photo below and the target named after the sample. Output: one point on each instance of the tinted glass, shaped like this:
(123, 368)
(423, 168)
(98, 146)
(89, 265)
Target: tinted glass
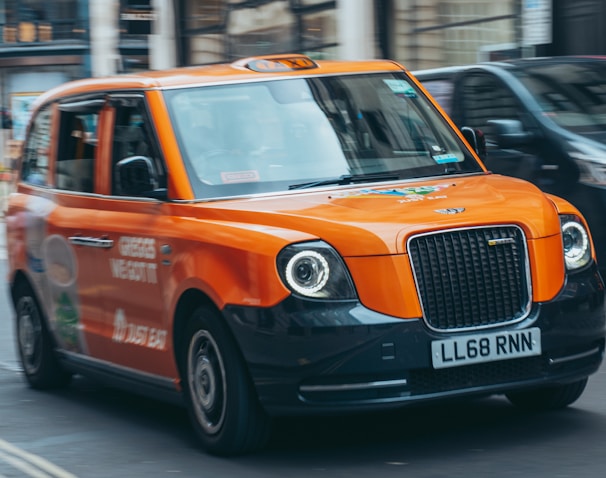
(77, 151)
(572, 94)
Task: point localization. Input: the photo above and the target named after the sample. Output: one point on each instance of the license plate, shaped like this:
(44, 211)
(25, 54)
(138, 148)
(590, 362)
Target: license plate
(488, 347)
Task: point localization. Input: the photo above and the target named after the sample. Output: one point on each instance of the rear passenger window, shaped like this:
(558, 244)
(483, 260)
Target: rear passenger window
(37, 150)
(77, 149)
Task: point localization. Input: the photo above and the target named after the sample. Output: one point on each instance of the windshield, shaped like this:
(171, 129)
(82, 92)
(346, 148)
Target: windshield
(295, 133)
(572, 94)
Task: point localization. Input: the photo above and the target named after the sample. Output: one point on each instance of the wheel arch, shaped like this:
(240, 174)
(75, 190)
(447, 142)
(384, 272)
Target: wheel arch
(188, 302)
(21, 279)
(18, 279)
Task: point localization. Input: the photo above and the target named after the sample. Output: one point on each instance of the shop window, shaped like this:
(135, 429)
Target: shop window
(222, 30)
(27, 21)
(261, 30)
(319, 30)
(205, 14)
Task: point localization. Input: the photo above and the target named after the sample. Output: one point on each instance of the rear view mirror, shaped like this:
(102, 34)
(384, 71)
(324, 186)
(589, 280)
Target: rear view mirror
(510, 133)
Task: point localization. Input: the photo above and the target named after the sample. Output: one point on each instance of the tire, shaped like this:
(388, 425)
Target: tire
(219, 394)
(35, 345)
(548, 398)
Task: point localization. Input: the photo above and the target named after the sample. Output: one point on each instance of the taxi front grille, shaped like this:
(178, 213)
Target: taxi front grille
(471, 278)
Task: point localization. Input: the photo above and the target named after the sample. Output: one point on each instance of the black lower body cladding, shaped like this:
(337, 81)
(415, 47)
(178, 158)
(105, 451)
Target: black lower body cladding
(314, 357)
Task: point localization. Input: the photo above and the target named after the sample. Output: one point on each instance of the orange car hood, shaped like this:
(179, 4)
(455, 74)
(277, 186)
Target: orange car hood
(378, 219)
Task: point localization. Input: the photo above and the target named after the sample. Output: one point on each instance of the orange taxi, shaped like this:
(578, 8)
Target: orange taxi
(282, 236)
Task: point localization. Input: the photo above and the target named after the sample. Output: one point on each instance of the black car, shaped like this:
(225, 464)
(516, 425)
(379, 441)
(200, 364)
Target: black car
(543, 120)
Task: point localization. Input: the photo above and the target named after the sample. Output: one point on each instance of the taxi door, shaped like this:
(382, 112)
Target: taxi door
(62, 154)
(128, 272)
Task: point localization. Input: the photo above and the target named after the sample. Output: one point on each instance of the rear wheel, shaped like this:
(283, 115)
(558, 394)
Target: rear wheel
(40, 365)
(548, 398)
(220, 397)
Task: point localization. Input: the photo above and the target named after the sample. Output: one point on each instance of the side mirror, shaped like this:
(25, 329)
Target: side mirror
(510, 133)
(137, 176)
(475, 137)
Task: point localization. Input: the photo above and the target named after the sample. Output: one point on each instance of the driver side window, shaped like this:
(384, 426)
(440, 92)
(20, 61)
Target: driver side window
(133, 136)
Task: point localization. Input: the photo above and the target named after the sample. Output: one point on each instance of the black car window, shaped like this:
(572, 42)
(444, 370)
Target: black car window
(442, 90)
(573, 95)
(133, 136)
(77, 150)
(484, 98)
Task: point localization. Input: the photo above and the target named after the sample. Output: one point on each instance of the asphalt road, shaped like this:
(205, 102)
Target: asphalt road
(89, 430)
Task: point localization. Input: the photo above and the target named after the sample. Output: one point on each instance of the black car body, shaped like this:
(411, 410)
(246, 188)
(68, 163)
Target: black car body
(544, 120)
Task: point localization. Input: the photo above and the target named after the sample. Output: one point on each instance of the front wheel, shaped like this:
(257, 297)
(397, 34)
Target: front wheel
(220, 396)
(548, 398)
(40, 365)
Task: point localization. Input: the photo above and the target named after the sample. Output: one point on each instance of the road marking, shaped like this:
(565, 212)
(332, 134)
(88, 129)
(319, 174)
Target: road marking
(10, 367)
(32, 465)
(23, 466)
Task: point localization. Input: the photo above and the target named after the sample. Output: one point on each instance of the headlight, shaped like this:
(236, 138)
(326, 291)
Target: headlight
(577, 247)
(315, 269)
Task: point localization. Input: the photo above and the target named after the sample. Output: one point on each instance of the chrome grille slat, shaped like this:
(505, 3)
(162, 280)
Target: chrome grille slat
(466, 283)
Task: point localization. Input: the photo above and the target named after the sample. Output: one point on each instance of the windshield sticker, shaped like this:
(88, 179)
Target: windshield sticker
(239, 177)
(408, 194)
(445, 158)
(401, 88)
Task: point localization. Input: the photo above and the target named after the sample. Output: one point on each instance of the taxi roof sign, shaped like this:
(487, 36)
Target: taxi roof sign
(283, 63)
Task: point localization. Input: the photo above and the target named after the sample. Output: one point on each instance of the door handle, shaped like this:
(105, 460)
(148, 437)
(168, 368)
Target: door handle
(91, 242)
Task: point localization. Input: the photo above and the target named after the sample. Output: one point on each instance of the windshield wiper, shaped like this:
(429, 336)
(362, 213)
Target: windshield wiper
(347, 179)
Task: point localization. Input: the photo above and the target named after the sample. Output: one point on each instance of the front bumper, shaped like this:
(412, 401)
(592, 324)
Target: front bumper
(314, 357)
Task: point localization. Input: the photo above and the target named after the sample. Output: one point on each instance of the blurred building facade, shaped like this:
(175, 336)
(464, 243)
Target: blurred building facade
(431, 33)
(44, 43)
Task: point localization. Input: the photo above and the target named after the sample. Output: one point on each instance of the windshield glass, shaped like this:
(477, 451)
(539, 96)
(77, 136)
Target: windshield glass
(285, 134)
(572, 94)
